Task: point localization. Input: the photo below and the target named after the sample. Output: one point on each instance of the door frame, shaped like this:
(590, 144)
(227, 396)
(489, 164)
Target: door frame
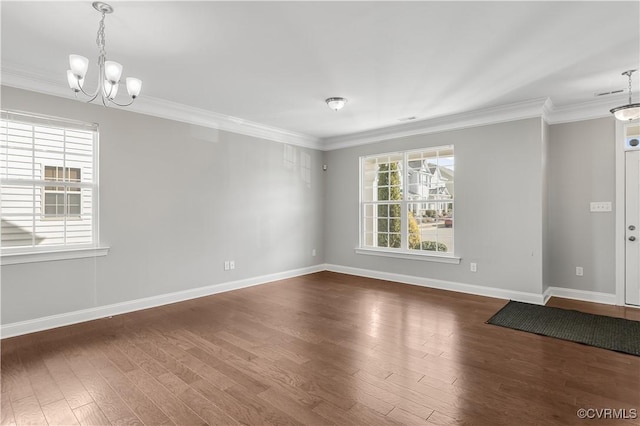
(620, 232)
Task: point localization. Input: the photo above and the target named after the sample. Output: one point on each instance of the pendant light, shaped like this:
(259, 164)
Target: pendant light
(109, 72)
(630, 111)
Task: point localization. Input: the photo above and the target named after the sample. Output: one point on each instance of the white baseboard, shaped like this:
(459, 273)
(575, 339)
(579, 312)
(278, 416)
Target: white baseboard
(586, 296)
(498, 293)
(53, 321)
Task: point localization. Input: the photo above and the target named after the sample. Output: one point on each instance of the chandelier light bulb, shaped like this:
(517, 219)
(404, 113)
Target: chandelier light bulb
(79, 65)
(110, 90)
(134, 85)
(74, 82)
(112, 71)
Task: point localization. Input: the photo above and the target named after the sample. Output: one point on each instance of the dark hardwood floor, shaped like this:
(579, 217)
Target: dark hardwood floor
(320, 349)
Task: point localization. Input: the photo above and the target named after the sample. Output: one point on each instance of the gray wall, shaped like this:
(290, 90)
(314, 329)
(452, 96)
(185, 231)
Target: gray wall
(581, 170)
(176, 201)
(498, 212)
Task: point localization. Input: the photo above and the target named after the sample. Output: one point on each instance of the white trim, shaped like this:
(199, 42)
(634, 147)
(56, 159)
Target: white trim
(60, 320)
(51, 255)
(598, 108)
(14, 76)
(586, 296)
(411, 256)
(619, 220)
(481, 117)
(499, 293)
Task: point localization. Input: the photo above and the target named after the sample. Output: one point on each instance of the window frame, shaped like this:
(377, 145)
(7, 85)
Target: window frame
(403, 251)
(33, 253)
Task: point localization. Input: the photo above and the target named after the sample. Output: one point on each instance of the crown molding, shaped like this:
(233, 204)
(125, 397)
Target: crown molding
(541, 107)
(481, 117)
(583, 111)
(40, 82)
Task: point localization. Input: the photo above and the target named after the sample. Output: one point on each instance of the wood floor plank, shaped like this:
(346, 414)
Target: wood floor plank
(27, 411)
(6, 411)
(137, 401)
(59, 413)
(319, 349)
(15, 381)
(406, 418)
(175, 409)
(73, 390)
(109, 402)
(284, 403)
(91, 415)
(211, 413)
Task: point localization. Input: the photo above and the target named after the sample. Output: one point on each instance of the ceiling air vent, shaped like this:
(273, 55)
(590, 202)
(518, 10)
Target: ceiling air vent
(613, 92)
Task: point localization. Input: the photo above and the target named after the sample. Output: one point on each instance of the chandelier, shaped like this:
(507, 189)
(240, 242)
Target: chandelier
(109, 72)
(630, 111)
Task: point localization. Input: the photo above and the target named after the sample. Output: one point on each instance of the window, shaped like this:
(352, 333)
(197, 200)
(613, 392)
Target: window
(407, 200)
(49, 183)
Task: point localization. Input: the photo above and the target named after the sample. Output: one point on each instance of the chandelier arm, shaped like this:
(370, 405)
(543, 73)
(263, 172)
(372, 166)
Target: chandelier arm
(90, 95)
(123, 105)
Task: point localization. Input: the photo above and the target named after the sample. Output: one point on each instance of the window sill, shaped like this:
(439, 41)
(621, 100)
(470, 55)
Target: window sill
(412, 256)
(51, 255)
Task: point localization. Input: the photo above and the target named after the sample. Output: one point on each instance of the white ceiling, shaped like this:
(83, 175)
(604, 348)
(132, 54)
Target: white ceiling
(275, 62)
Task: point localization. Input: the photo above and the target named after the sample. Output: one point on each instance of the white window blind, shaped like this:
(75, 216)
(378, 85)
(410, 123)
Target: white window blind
(48, 179)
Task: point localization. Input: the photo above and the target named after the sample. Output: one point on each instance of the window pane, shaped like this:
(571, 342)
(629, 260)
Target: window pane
(17, 231)
(74, 175)
(383, 239)
(431, 227)
(73, 204)
(50, 232)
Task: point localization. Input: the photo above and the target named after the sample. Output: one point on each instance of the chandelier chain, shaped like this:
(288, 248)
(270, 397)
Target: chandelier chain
(631, 72)
(100, 37)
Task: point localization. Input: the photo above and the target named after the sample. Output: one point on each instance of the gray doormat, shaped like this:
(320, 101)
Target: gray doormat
(616, 334)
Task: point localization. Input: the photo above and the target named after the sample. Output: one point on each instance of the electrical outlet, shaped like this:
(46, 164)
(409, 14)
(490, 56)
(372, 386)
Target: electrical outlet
(226, 265)
(473, 267)
(600, 207)
(232, 264)
(313, 252)
(579, 271)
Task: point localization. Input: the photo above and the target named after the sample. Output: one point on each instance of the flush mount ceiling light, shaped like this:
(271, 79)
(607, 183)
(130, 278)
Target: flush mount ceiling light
(630, 111)
(109, 72)
(336, 104)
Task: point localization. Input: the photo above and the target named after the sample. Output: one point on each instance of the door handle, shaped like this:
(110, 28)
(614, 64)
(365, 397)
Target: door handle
(632, 238)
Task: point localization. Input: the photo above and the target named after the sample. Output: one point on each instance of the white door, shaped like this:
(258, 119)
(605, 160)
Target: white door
(632, 225)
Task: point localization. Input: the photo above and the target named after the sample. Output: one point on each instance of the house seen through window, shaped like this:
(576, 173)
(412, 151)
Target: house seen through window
(407, 201)
(49, 183)
(58, 200)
